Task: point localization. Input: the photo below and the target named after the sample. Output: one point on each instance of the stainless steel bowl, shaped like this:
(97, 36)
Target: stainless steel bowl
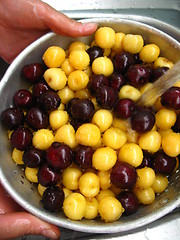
(12, 176)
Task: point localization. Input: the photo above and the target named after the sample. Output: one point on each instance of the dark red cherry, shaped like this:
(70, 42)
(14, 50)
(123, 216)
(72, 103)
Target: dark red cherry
(53, 198)
(97, 81)
(59, 156)
(83, 156)
(117, 80)
(33, 157)
(106, 97)
(49, 100)
(129, 202)
(142, 121)
(176, 127)
(156, 73)
(33, 72)
(137, 75)
(12, 118)
(122, 61)
(37, 118)
(124, 108)
(21, 138)
(82, 109)
(76, 123)
(147, 159)
(47, 176)
(163, 164)
(94, 52)
(171, 98)
(23, 98)
(38, 89)
(123, 175)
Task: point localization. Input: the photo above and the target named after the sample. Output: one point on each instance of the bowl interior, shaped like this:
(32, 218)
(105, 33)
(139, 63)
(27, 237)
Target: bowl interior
(12, 176)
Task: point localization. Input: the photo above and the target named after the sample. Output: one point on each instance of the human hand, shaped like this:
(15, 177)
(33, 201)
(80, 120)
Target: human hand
(15, 222)
(23, 21)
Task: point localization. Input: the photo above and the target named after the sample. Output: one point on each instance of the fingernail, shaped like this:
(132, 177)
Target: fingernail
(50, 234)
(90, 25)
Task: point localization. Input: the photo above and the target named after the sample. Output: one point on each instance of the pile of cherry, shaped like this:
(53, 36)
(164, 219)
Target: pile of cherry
(41, 100)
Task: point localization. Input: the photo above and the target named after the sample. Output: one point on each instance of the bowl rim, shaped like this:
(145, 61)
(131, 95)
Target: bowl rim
(66, 223)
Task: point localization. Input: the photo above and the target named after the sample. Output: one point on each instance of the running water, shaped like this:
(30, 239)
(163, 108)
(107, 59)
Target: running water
(167, 80)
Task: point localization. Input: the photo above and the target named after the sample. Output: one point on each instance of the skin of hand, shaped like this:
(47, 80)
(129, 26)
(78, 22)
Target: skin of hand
(24, 21)
(15, 222)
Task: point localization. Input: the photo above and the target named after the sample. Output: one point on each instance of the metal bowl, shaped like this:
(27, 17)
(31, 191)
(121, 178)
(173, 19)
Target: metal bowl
(12, 176)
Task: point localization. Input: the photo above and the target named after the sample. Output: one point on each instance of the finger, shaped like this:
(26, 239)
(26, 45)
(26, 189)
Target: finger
(6, 203)
(63, 25)
(15, 225)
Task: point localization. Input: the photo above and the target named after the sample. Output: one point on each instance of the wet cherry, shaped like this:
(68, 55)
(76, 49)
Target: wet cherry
(59, 156)
(123, 175)
(142, 121)
(23, 98)
(47, 176)
(82, 109)
(53, 198)
(37, 118)
(163, 164)
(49, 100)
(83, 156)
(171, 98)
(122, 61)
(21, 138)
(124, 108)
(137, 75)
(33, 72)
(117, 80)
(106, 97)
(97, 81)
(12, 118)
(129, 202)
(94, 52)
(33, 157)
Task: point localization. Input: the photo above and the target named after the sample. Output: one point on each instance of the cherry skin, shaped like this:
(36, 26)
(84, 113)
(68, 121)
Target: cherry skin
(129, 202)
(137, 75)
(82, 109)
(123, 175)
(176, 127)
(12, 118)
(124, 108)
(47, 176)
(147, 159)
(23, 99)
(33, 72)
(59, 156)
(122, 61)
(171, 98)
(142, 121)
(83, 156)
(53, 198)
(38, 89)
(49, 100)
(117, 80)
(97, 81)
(33, 157)
(156, 73)
(94, 52)
(21, 138)
(163, 164)
(106, 97)
(37, 118)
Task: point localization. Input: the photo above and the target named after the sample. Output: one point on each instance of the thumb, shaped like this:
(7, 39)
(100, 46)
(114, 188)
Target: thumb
(13, 225)
(61, 24)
